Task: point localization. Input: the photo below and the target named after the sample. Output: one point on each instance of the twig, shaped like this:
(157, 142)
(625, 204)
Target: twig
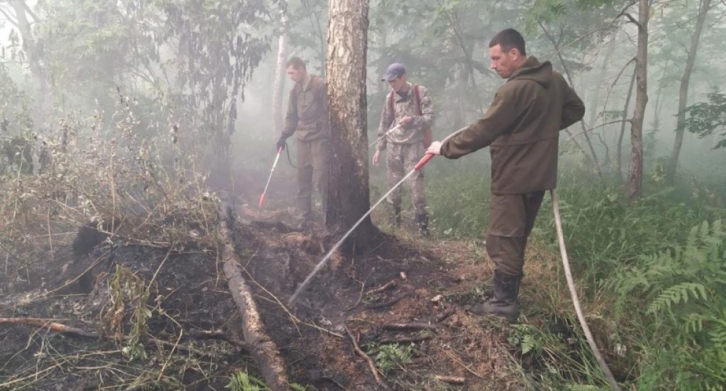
(411, 326)
(382, 288)
(388, 303)
(453, 357)
(444, 315)
(50, 325)
(414, 339)
(371, 364)
(451, 379)
(360, 297)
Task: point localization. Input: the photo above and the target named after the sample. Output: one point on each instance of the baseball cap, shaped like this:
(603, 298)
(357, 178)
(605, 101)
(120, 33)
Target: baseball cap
(394, 70)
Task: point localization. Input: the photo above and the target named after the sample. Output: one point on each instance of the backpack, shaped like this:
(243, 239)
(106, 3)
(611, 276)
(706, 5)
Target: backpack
(417, 102)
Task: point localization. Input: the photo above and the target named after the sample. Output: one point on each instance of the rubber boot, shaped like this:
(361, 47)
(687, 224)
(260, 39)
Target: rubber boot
(504, 299)
(423, 224)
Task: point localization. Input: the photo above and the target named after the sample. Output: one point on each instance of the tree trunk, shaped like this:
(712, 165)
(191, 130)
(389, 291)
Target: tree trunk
(595, 101)
(622, 126)
(641, 100)
(683, 93)
(348, 194)
(31, 49)
(279, 86)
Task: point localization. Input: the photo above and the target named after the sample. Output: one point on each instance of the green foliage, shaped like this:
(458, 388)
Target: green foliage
(684, 327)
(527, 337)
(242, 381)
(390, 356)
(706, 118)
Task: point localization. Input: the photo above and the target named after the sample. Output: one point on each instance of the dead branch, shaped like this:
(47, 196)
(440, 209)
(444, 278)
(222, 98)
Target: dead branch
(364, 356)
(444, 315)
(51, 325)
(411, 326)
(382, 288)
(388, 303)
(451, 379)
(404, 339)
(263, 348)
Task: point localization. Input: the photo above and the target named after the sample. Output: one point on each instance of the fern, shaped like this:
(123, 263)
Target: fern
(677, 294)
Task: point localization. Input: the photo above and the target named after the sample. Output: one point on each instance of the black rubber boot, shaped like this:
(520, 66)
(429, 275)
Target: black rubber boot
(504, 299)
(423, 224)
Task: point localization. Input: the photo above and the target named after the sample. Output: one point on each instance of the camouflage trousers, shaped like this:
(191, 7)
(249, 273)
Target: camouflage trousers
(400, 159)
(511, 219)
(312, 169)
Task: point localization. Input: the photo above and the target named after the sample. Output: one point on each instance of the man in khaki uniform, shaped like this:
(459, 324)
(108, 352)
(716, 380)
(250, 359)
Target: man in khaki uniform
(307, 116)
(407, 114)
(521, 127)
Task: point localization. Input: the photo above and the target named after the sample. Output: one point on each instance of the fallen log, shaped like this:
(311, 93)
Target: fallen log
(262, 348)
(51, 325)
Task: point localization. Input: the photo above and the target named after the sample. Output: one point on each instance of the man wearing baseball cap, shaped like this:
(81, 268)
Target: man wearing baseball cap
(404, 131)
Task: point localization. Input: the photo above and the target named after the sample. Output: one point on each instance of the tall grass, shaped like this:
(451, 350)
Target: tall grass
(654, 285)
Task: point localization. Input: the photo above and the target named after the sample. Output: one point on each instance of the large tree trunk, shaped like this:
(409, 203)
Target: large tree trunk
(641, 100)
(279, 86)
(683, 93)
(622, 126)
(348, 196)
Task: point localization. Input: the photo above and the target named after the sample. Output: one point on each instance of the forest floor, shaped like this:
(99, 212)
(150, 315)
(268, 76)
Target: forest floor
(165, 320)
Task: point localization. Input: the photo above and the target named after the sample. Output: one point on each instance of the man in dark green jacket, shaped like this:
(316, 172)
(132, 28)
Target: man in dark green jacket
(307, 117)
(521, 129)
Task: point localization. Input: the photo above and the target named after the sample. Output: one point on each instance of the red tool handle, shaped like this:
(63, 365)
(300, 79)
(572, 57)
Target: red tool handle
(279, 150)
(423, 161)
(262, 200)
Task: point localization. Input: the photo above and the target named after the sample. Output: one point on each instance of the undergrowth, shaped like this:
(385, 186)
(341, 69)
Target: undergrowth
(652, 276)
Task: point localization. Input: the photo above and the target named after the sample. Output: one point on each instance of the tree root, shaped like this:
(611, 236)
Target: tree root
(262, 348)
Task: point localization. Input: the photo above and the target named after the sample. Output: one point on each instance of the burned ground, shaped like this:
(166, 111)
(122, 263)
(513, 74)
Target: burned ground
(165, 319)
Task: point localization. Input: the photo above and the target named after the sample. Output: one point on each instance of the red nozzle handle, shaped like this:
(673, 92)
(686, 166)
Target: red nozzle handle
(279, 150)
(423, 161)
(262, 201)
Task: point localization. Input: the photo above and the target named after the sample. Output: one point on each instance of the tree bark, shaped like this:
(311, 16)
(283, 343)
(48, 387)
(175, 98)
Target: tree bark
(622, 127)
(279, 86)
(641, 100)
(348, 194)
(705, 5)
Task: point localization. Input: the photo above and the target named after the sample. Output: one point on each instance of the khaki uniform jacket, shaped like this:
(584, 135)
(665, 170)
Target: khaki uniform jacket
(402, 107)
(307, 111)
(521, 127)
